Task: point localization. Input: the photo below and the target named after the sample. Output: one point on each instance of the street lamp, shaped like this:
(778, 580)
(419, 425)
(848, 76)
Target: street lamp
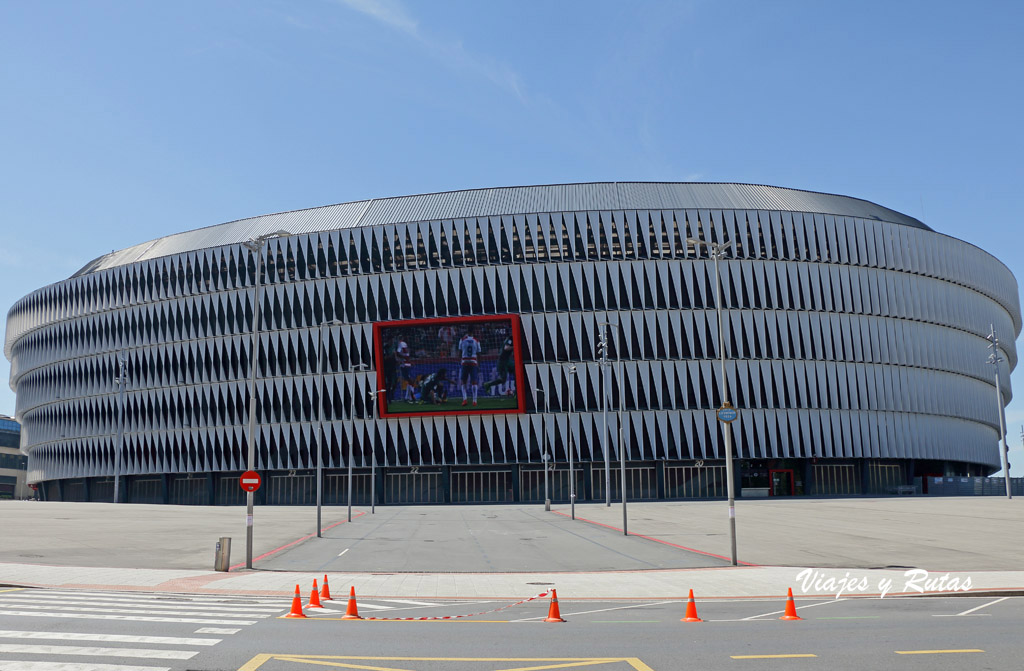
(603, 345)
(373, 448)
(995, 359)
(572, 468)
(602, 350)
(373, 452)
(255, 246)
(321, 366)
(545, 457)
(121, 381)
(718, 251)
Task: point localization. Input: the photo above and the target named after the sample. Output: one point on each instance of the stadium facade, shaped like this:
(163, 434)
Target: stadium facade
(855, 341)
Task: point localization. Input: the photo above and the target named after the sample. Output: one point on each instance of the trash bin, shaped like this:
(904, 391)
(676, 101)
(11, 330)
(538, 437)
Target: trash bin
(222, 558)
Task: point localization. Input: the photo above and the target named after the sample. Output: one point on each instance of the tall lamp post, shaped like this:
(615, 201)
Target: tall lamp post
(545, 458)
(322, 366)
(255, 246)
(602, 349)
(121, 381)
(618, 412)
(374, 393)
(718, 251)
(995, 359)
(572, 467)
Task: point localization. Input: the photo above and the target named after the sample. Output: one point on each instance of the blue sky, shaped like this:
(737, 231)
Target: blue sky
(126, 121)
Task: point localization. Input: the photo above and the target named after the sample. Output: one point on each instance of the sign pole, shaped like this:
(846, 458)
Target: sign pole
(251, 456)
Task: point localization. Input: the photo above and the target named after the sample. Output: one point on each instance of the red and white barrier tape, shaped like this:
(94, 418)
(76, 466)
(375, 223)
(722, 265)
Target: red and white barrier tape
(455, 617)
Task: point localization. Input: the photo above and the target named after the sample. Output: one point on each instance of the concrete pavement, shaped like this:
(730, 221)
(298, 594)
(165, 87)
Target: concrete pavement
(137, 548)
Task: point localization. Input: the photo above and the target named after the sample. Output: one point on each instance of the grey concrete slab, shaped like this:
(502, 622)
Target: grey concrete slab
(939, 534)
(141, 535)
(479, 539)
(969, 533)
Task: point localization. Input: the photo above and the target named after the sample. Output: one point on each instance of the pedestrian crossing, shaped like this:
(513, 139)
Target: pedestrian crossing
(119, 631)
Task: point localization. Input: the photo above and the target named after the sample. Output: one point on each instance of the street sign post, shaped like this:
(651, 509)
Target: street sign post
(727, 413)
(250, 481)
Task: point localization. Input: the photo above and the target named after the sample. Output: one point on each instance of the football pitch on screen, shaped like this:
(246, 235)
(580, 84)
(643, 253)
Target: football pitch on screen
(454, 404)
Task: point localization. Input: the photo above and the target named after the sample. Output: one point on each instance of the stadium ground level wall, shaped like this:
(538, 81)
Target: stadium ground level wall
(504, 483)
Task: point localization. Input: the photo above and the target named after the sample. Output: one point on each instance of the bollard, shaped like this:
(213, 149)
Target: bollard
(222, 557)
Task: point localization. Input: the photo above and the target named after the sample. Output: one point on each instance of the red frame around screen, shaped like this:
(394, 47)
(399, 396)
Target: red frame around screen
(517, 345)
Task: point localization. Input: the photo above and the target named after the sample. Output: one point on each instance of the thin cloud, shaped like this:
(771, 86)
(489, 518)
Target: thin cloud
(394, 15)
(388, 12)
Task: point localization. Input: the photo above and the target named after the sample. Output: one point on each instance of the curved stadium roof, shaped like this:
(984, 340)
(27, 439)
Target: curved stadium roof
(506, 201)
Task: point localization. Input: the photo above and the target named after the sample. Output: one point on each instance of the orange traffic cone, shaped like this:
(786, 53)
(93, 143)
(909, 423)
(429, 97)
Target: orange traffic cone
(325, 592)
(352, 612)
(296, 605)
(691, 610)
(790, 608)
(314, 597)
(553, 614)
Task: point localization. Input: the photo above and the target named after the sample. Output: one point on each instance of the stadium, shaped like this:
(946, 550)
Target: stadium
(572, 319)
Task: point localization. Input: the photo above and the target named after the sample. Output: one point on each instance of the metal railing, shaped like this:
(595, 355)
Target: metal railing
(968, 486)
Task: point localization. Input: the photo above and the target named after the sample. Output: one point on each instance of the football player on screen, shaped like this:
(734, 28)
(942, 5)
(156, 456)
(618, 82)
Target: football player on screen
(469, 348)
(404, 356)
(504, 373)
(432, 387)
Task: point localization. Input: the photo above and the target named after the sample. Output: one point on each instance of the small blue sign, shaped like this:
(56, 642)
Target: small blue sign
(727, 414)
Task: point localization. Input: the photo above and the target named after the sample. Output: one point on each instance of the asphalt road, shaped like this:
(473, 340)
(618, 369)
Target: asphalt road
(45, 630)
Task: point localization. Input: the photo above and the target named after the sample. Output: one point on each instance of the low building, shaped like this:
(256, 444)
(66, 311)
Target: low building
(13, 464)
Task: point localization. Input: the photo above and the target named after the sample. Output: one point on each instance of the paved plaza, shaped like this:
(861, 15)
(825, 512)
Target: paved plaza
(506, 551)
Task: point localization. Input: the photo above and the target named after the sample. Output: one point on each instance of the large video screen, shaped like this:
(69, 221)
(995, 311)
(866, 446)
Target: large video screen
(447, 366)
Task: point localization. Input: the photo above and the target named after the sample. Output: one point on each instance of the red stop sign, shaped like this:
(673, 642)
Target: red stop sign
(250, 481)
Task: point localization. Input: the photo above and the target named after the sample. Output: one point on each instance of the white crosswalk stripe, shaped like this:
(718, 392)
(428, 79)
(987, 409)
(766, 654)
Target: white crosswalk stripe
(216, 630)
(68, 666)
(141, 596)
(19, 646)
(123, 618)
(130, 611)
(87, 651)
(164, 605)
(110, 638)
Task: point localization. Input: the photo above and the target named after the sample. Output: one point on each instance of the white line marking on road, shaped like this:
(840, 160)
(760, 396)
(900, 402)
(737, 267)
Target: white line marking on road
(413, 603)
(216, 630)
(777, 612)
(331, 611)
(115, 638)
(368, 606)
(145, 653)
(130, 611)
(70, 666)
(602, 610)
(130, 603)
(985, 605)
(124, 618)
(343, 552)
